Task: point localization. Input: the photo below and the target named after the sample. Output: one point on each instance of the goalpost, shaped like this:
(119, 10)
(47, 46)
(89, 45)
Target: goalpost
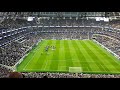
(75, 70)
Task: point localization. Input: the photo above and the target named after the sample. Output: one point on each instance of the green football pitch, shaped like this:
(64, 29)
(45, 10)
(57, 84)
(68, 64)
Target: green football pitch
(85, 55)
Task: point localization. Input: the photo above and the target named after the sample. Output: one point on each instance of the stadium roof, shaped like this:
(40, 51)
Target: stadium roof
(59, 14)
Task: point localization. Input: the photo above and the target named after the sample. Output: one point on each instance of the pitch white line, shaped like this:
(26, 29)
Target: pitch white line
(28, 62)
(82, 70)
(45, 64)
(62, 66)
(74, 60)
(103, 68)
(68, 71)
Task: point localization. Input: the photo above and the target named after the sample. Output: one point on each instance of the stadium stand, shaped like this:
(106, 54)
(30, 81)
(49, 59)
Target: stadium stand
(68, 75)
(16, 38)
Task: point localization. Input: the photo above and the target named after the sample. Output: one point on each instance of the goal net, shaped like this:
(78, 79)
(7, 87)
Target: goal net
(75, 69)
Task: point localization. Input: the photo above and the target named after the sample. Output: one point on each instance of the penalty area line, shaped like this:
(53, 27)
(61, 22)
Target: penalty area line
(28, 63)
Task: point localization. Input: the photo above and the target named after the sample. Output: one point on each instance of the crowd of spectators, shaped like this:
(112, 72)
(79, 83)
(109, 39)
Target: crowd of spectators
(68, 75)
(71, 22)
(15, 23)
(4, 71)
(18, 23)
(64, 33)
(14, 51)
(111, 43)
(115, 24)
(20, 41)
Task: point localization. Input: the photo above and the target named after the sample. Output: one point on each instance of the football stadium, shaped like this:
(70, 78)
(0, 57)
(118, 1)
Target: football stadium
(60, 45)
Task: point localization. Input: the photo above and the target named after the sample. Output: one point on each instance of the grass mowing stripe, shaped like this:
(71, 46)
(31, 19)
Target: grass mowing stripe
(28, 58)
(85, 64)
(43, 59)
(34, 62)
(71, 53)
(107, 53)
(38, 57)
(67, 55)
(104, 55)
(62, 57)
(74, 55)
(90, 59)
(25, 61)
(50, 57)
(54, 64)
(93, 57)
(96, 56)
(109, 58)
